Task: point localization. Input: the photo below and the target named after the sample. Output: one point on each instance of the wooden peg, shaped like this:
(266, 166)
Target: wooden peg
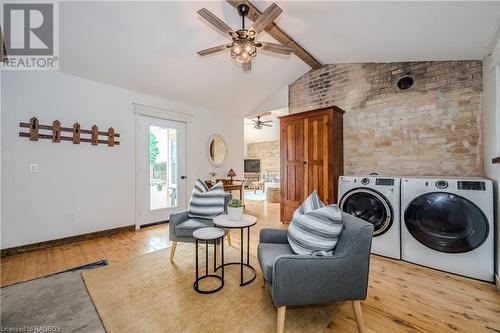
(111, 137)
(33, 129)
(56, 131)
(95, 135)
(76, 133)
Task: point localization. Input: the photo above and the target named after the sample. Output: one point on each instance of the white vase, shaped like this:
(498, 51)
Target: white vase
(235, 213)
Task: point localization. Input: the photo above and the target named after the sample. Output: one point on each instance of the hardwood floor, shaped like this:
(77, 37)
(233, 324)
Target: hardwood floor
(402, 297)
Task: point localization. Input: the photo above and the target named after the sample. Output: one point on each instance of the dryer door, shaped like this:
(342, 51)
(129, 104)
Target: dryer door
(446, 222)
(368, 205)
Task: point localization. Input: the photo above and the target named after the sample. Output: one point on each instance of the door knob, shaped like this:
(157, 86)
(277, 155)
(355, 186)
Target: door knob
(183, 177)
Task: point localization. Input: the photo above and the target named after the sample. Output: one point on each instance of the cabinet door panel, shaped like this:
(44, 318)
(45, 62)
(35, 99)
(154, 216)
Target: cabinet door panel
(292, 161)
(316, 141)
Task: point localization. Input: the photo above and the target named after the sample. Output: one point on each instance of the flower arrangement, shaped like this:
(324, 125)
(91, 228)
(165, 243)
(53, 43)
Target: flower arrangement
(213, 179)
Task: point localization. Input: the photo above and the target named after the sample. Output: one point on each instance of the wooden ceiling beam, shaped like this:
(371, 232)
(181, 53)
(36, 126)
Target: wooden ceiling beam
(279, 35)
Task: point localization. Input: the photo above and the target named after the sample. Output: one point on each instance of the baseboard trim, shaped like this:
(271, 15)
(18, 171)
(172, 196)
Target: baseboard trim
(61, 241)
(497, 282)
(153, 224)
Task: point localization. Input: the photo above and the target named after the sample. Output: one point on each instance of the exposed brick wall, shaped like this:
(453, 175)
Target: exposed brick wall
(432, 129)
(269, 155)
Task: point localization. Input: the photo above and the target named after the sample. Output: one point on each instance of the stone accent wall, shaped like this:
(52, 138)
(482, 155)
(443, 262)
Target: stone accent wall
(269, 155)
(432, 129)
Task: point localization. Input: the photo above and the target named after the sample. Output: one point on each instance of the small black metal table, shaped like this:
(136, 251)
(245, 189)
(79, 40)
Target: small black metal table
(223, 221)
(209, 235)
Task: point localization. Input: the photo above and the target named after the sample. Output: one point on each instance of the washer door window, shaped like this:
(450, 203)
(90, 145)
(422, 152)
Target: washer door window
(370, 206)
(446, 222)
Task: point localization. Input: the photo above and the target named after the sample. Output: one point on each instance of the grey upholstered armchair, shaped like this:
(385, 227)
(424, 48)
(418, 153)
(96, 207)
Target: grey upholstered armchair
(181, 226)
(306, 280)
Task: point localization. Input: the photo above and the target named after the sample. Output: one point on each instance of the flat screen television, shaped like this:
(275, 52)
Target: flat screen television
(252, 165)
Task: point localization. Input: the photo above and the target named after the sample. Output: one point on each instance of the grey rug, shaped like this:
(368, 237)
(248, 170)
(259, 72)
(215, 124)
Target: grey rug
(55, 303)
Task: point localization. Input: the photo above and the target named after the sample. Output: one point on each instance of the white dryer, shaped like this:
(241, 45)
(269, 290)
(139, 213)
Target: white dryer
(447, 224)
(375, 199)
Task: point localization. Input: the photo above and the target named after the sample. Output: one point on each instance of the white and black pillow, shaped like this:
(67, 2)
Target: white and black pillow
(312, 203)
(316, 232)
(206, 203)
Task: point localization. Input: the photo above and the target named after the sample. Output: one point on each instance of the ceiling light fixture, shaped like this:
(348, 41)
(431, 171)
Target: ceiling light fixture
(243, 47)
(243, 50)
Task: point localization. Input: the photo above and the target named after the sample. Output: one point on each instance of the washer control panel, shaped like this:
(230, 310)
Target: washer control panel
(365, 181)
(384, 181)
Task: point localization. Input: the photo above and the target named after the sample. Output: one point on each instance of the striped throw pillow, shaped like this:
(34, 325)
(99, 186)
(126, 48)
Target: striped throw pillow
(206, 203)
(316, 232)
(311, 203)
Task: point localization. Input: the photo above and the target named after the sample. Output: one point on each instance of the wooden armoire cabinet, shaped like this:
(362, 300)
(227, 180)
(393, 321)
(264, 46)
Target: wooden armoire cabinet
(311, 149)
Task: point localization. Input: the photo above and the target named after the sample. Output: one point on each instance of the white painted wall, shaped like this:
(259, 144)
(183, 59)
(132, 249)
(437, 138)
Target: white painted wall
(491, 135)
(265, 134)
(84, 188)
(278, 100)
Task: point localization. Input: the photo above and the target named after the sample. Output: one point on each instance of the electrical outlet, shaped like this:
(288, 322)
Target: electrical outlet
(34, 168)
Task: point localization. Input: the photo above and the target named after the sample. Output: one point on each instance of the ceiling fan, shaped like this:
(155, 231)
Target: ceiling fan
(244, 47)
(259, 124)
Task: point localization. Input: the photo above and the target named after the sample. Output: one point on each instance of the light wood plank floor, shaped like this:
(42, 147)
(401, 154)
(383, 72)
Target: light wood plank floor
(402, 297)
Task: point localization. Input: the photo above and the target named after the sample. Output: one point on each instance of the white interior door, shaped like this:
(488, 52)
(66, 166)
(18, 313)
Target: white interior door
(162, 169)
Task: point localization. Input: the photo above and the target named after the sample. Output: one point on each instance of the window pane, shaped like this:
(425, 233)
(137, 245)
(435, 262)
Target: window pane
(162, 167)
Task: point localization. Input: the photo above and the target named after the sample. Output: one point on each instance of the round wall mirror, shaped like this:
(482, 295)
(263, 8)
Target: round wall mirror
(217, 150)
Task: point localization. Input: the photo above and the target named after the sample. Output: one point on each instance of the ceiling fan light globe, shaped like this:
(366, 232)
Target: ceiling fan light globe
(243, 51)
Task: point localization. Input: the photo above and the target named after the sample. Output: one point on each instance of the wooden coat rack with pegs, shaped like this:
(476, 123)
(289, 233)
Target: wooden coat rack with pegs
(56, 129)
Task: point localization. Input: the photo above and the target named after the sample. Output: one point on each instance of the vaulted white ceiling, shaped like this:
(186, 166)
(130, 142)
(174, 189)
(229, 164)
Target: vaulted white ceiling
(151, 47)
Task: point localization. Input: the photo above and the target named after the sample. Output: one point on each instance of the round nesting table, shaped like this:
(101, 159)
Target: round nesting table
(223, 221)
(207, 235)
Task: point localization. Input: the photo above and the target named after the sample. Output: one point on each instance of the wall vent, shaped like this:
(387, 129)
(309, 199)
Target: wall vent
(405, 82)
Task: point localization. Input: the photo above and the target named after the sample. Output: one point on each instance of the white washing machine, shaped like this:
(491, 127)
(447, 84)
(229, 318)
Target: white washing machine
(375, 199)
(447, 224)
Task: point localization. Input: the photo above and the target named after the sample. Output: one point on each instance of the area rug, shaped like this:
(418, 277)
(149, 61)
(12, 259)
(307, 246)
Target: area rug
(150, 294)
(55, 303)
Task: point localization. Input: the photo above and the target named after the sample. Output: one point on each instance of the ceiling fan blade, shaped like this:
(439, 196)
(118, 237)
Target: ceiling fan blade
(247, 66)
(212, 50)
(267, 122)
(215, 21)
(267, 17)
(278, 48)
(267, 125)
(263, 114)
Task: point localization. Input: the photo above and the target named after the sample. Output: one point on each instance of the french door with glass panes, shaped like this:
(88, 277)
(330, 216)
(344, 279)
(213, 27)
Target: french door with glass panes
(162, 167)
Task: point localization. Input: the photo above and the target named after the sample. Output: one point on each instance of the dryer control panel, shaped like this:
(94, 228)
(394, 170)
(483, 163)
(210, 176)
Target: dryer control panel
(471, 185)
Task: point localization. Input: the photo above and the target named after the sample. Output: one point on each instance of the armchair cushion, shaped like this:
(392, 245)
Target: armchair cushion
(268, 253)
(186, 228)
